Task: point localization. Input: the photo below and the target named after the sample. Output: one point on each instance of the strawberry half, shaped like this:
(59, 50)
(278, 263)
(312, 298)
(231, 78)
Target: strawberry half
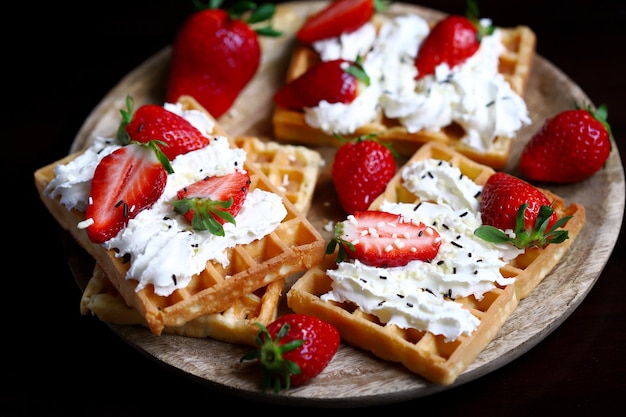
(125, 182)
(510, 203)
(382, 239)
(339, 17)
(334, 81)
(293, 349)
(210, 202)
(452, 41)
(152, 122)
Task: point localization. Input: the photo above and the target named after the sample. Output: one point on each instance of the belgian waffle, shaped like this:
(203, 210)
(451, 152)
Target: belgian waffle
(293, 246)
(424, 353)
(514, 64)
(294, 170)
(234, 325)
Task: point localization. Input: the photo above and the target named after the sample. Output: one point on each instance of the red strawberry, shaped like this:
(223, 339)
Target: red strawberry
(125, 182)
(152, 122)
(569, 147)
(293, 349)
(508, 202)
(360, 172)
(216, 53)
(210, 202)
(340, 16)
(382, 239)
(452, 40)
(335, 81)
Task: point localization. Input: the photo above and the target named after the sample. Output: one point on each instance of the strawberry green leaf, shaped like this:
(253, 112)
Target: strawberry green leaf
(358, 72)
(337, 240)
(127, 116)
(155, 145)
(381, 5)
(270, 354)
(204, 212)
(522, 238)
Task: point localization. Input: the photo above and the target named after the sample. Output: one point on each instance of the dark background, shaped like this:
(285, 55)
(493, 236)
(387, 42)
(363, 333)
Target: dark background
(59, 61)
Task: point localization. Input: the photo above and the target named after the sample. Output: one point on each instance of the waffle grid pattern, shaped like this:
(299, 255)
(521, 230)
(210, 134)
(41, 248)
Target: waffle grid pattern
(234, 325)
(422, 352)
(292, 247)
(292, 169)
(295, 168)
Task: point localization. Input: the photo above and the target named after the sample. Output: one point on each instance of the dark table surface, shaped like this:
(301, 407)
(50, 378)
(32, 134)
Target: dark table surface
(61, 363)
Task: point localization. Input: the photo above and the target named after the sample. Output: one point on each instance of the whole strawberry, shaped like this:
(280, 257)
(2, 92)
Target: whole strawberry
(338, 17)
(569, 147)
(335, 81)
(452, 40)
(510, 203)
(360, 172)
(216, 53)
(293, 349)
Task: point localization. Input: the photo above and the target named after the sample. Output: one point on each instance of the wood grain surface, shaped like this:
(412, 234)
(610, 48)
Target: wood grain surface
(356, 377)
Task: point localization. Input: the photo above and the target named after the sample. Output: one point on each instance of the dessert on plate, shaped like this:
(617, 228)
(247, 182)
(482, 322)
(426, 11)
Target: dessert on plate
(476, 107)
(163, 267)
(293, 170)
(433, 316)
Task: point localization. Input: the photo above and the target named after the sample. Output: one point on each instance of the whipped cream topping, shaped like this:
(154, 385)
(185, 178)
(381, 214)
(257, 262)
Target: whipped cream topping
(474, 94)
(164, 249)
(420, 295)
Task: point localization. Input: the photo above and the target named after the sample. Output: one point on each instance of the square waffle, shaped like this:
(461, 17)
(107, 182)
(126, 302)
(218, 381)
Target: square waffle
(514, 64)
(292, 247)
(236, 324)
(294, 170)
(422, 352)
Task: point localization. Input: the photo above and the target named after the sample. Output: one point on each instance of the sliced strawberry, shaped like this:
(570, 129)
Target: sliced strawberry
(382, 239)
(340, 16)
(152, 122)
(125, 182)
(335, 81)
(210, 202)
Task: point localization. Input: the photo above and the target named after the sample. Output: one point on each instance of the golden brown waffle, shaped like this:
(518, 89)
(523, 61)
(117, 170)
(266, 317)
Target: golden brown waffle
(422, 352)
(292, 169)
(515, 65)
(234, 325)
(294, 246)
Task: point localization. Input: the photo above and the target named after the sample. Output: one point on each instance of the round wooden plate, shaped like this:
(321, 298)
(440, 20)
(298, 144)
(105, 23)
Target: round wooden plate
(354, 377)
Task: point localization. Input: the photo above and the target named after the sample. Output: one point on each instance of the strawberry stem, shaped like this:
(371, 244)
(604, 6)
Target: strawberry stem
(204, 212)
(369, 136)
(269, 353)
(381, 5)
(127, 116)
(247, 11)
